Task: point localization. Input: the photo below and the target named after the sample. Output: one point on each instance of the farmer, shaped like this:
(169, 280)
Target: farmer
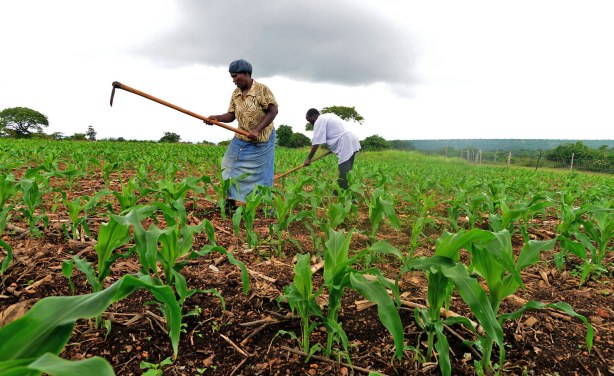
(331, 130)
(253, 105)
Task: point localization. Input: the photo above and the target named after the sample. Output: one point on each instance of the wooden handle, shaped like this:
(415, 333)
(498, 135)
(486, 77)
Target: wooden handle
(118, 85)
(301, 166)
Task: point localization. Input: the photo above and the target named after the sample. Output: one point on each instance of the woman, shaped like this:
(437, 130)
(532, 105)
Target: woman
(249, 159)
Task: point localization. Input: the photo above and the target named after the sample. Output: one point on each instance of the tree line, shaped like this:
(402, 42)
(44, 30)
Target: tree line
(23, 122)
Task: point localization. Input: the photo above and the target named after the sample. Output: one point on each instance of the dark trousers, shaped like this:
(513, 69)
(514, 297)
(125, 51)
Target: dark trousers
(344, 168)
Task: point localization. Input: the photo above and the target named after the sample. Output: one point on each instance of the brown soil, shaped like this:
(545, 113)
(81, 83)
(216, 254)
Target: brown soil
(234, 341)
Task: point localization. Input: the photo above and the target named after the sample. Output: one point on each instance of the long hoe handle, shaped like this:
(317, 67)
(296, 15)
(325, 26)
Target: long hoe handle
(301, 166)
(117, 85)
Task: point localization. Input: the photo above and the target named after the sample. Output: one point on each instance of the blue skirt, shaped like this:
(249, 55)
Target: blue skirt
(256, 159)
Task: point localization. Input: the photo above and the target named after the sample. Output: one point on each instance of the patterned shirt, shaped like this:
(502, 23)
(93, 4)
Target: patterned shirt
(250, 111)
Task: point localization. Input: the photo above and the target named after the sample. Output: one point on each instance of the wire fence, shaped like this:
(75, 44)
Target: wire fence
(535, 159)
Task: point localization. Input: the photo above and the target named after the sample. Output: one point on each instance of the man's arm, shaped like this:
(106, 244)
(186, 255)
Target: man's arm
(312, 152)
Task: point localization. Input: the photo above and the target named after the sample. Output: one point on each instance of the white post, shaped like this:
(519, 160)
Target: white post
(571, 166)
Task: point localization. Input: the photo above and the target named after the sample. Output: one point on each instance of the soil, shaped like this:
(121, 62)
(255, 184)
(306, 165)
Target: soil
(247, 337)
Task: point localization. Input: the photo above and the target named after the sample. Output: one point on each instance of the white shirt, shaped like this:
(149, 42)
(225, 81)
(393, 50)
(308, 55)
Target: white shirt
(331, 130)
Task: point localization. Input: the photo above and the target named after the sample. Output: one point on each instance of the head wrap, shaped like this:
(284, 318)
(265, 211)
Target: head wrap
(240, 66)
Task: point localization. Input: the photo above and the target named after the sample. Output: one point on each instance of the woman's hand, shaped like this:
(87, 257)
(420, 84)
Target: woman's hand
(253, 135)
(212, 117)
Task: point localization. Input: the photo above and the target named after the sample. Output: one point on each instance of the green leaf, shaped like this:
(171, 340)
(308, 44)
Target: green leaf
(56, 366)
(475, 297)
(529, 255)
(49, 323)
(443, 349)
(386, 310)
(8, 258)
(448, 245)
(560, 305)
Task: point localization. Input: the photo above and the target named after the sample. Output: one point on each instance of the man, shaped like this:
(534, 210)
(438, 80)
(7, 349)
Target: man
(331, 130)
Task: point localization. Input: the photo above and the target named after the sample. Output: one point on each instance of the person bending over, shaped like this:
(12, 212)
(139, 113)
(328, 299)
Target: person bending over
(333, 131)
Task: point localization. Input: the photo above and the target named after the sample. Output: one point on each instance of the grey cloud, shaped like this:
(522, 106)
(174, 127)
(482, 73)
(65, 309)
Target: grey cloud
(321, 41)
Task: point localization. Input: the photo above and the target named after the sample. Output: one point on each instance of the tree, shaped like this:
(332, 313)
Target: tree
(563, 153)
(91, 133)
(57, 136)
(344, 112)
(284, 135)
(299, 140)
(22, 121)
(170, 137)
(403, 145)
(78, 137)
(375, 143)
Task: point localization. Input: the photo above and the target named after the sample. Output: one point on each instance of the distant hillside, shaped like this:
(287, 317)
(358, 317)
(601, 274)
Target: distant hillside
(504, 144)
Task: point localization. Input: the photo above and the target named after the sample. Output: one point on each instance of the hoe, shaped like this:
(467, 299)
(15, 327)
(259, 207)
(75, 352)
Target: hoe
(118, 85)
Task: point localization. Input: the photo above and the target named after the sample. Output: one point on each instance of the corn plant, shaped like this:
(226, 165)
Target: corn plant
(111, 237)
(339, 274)
(422, 220)
(507, 217)
(336, 214)
(381, 205)
(254, 199)
(78, 208)
(107, 168)
(171, 247)
(164, 245)
(493, 260)
(443, 272)
(32, 197)
(302, 299)
(31, 344)
(588, 238)
(168, 190)
(283, 205)
(128, 197)
(601, 231)
(8, 188)
(353, 194)
(9, 256)
(221, 189)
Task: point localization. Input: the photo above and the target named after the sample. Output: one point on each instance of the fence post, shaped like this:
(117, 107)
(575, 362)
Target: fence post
(571, 166)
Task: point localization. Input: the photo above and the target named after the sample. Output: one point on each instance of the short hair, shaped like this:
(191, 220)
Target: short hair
(312, 112)
(240, 66)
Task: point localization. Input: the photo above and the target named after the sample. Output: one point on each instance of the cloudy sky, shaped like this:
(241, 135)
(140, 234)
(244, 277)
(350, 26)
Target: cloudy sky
(413, 69)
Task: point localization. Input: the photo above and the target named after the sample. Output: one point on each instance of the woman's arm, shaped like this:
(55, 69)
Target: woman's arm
(228, 117)
(270, 114)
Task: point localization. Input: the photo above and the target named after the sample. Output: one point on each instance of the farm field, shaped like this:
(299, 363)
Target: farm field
(424, 266)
